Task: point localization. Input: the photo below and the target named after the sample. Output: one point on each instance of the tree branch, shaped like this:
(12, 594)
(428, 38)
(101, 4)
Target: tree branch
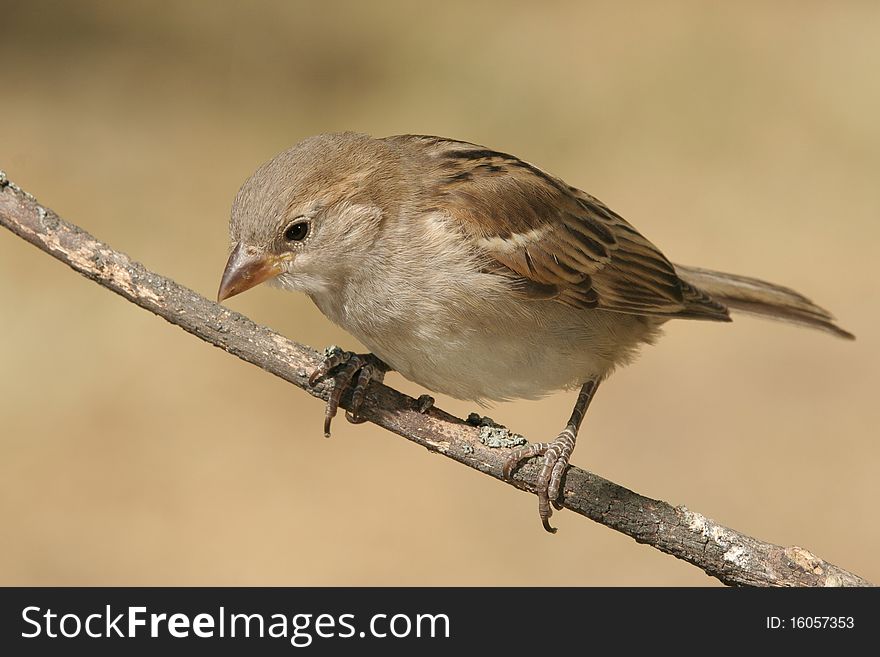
(728, 555)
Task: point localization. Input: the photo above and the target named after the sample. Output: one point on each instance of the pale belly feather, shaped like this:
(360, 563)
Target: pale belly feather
(432, 313)
(502, 347)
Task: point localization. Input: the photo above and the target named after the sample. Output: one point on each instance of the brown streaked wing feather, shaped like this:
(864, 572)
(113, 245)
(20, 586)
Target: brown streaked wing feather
(555, 240)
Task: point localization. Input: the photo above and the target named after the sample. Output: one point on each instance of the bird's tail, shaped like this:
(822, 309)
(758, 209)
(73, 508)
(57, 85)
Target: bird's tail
(756, 297)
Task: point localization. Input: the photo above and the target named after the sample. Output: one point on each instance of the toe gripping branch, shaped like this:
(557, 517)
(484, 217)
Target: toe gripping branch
(348, 370)
(556, 455)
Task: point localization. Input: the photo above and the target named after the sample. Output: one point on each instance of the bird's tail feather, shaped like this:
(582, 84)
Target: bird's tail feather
(756, 297)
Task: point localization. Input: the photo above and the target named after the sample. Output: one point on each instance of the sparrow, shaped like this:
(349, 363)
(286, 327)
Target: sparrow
(472, 273)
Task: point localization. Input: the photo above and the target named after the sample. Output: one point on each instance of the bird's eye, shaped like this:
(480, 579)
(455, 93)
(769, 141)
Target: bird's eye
(297, 232)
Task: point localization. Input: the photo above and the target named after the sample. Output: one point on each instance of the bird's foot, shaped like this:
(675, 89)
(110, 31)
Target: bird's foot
(347, 370)
(556, 455)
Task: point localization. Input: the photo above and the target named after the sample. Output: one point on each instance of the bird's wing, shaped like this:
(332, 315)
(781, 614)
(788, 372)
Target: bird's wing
(553, 240)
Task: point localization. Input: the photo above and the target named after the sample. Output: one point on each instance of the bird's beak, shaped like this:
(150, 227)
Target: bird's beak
(246, 268)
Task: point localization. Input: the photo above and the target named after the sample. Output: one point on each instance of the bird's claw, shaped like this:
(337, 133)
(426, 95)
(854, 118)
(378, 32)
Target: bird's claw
(348, 370)
(556, 455)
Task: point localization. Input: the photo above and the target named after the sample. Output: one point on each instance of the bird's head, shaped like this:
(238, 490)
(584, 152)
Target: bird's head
(310, 214)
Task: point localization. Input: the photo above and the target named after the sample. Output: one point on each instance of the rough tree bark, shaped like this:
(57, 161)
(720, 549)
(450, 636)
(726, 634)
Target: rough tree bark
(730, 556)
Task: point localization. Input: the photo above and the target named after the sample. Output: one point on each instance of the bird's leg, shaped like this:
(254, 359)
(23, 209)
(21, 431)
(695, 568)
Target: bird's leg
(556, 455)
(347, 369)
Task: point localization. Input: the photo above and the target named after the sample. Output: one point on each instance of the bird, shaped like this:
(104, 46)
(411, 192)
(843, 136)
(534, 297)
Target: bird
(472, 273)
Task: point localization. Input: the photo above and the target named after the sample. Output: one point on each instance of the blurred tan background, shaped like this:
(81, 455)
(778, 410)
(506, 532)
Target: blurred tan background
(739, 137)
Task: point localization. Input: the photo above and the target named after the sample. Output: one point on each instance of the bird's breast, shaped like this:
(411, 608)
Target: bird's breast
(477, 340)
(423, 301)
